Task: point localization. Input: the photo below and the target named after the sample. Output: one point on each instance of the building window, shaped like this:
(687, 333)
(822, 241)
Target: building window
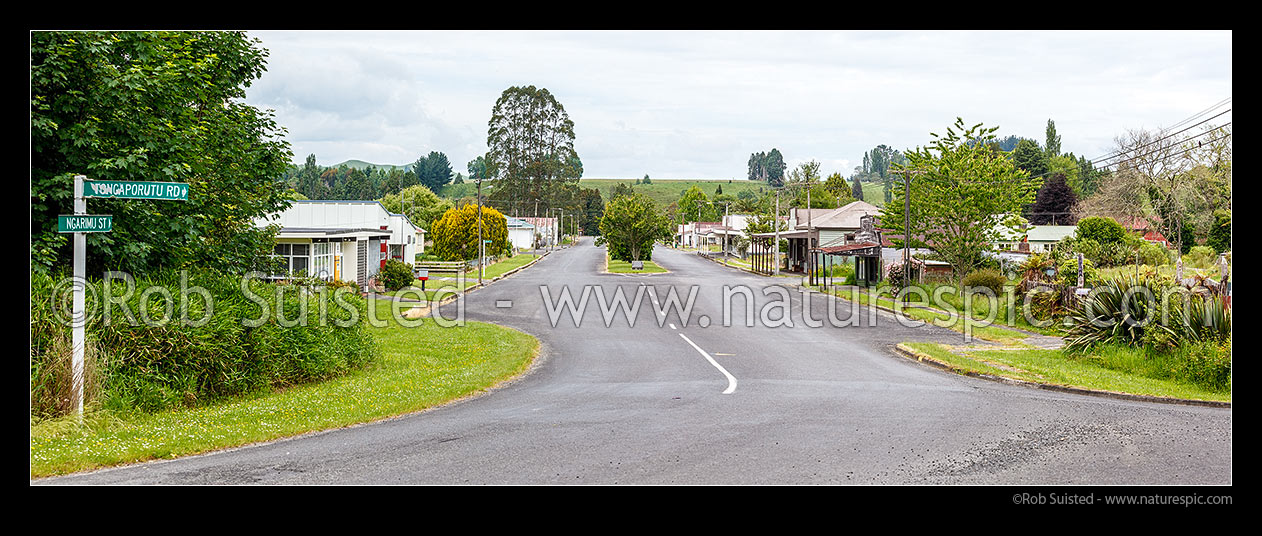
(322, 260)
(295, 258)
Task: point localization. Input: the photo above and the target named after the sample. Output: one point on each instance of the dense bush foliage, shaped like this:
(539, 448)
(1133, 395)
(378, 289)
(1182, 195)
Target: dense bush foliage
(396, 274)
(987, 278)
(208, 353)
(1146, 311)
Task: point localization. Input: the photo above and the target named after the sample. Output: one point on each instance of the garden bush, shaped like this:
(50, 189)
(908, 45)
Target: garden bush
(990, 279)
(396, 274)
(1101, 230)
(1153, 254)
(1068, 271)
(1200, 257)
(1205, 363)
(230, 348)
(1146, 311)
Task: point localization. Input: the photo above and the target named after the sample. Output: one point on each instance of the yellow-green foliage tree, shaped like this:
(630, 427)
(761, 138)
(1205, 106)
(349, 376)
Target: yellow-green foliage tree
(455, 234)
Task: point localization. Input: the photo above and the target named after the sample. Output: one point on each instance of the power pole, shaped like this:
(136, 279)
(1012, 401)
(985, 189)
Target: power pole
(907, 221)
(775, 222)
(481, 247)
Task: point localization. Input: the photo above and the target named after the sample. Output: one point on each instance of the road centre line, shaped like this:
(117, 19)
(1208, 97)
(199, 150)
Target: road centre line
(731, 380)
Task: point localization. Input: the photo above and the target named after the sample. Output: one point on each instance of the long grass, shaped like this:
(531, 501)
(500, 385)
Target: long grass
(1113, 369)
(419, 367)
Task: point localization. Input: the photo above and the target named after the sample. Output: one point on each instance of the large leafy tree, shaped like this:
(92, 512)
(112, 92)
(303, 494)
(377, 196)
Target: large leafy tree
(767, 167)
(154, 106)
(591, 210)
(694, 205)
(1029, 157)
(477, 169)
(420, 204)
(630, 226)
(432, 170)
(530, 142)
(963, 195)
(1054, 202)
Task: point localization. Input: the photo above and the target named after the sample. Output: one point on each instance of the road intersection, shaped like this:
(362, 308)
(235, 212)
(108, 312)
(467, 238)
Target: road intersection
(705, 398)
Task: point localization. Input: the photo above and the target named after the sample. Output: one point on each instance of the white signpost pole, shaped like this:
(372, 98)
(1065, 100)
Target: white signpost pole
(78, 317)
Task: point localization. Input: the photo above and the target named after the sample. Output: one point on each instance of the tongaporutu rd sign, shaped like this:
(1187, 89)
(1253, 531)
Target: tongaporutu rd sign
(168, 191)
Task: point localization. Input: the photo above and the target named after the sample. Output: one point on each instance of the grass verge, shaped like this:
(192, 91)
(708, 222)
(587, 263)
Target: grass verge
(1114, 370)
(939, 318)
(624, 267)
(420, 367)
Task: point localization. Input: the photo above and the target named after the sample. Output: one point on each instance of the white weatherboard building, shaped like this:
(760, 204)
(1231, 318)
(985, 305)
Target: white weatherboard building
(521, 233)
(344, 240)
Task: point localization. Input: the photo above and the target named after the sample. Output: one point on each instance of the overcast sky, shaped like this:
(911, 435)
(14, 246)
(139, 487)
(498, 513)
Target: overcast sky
(688, 104)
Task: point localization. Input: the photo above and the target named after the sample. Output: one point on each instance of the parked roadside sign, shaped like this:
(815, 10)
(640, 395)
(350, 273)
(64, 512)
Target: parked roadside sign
(168, 191)
(85, 223)
(81, 223)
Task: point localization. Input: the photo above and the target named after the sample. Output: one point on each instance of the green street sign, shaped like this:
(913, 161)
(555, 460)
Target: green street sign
(85, 224)
(168, 191)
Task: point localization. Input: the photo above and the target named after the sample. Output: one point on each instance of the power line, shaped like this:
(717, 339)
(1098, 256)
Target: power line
(1116, 154)
(1106, 166)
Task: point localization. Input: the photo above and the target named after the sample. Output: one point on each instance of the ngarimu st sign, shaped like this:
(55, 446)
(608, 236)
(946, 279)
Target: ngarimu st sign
(80, 224)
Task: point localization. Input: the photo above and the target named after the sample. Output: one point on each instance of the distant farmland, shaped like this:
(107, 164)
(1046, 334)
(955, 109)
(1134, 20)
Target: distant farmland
(663, 192)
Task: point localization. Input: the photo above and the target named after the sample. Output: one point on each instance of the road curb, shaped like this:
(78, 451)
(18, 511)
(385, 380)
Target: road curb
(921, 357)
(457, 295)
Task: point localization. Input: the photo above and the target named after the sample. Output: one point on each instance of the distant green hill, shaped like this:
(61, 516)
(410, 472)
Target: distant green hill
(360, 164)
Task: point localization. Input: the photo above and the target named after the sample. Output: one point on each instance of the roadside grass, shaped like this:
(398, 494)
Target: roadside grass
(420, 367)
(981, 308)
(433, 285)
(624, 267)
(505, 265)
(1111, 368)
(957, 322)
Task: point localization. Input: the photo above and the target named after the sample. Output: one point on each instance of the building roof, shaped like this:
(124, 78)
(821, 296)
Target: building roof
(1050, 233)
(846, 217)
(330, 232)
(518, 223)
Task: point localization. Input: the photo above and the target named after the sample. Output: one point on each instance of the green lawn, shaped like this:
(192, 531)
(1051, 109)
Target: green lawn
(1100, 371)
(993, 332)
(420, 367)
(489, 272)
(624, 267)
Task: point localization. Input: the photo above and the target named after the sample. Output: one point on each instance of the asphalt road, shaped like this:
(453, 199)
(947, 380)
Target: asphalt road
(678, 403)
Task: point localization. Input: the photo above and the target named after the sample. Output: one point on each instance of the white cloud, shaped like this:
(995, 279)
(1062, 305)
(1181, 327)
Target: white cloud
(698, 103)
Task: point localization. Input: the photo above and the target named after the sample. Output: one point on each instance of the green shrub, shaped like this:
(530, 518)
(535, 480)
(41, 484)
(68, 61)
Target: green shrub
(1200, 257)
(1205, 363)
(395, 275)
(1102, 230)
(210, 355)
(1153, 254)
(895, 277)
(1068, 271)
(1146, 311)
(990, 279)
(1089, 248)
